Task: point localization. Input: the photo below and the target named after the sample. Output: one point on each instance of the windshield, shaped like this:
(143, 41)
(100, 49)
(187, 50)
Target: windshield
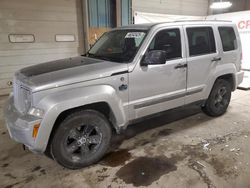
(119, 45)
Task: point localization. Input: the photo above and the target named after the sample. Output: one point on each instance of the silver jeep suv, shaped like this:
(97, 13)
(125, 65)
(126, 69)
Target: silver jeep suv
(69, 107)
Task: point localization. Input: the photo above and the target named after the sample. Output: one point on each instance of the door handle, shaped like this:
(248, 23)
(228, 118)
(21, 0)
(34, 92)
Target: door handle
(181, 66)
(123, 87)
(216, 59)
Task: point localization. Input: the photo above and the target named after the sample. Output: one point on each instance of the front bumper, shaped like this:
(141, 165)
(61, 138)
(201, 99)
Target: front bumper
(20, 127)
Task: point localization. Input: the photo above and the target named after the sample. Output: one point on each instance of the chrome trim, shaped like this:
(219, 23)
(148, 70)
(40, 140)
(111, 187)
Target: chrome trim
(156, 101)
(195, 91)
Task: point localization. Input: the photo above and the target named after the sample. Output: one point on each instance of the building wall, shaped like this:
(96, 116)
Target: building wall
(44, 19)
(177, 7)
(248, 5)
(237, 5)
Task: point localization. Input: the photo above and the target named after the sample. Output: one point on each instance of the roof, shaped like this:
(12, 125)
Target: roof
(149, 25)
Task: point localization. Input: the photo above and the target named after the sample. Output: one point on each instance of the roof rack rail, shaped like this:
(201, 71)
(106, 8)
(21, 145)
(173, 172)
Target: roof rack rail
(202, 21)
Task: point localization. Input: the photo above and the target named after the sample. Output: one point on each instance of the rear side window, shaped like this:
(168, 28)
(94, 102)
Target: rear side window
(201, 41)
(228, 38)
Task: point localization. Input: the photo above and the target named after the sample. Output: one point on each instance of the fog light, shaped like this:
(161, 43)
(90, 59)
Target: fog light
(35, 130)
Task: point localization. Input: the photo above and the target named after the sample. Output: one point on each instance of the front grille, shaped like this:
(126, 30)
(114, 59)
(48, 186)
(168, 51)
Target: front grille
(22, 100)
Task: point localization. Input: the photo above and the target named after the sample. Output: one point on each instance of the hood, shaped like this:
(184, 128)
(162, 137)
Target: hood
(67, 71)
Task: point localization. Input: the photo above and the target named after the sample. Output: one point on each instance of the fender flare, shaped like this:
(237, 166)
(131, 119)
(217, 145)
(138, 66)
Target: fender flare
(221, 70)
(59, 102)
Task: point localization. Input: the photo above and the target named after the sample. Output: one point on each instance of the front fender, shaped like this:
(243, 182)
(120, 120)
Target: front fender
(57, 103)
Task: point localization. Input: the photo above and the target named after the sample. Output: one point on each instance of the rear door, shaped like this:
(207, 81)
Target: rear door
(202, 58)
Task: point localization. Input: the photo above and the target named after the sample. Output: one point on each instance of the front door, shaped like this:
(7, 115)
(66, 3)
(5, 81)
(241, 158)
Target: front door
(156, 88)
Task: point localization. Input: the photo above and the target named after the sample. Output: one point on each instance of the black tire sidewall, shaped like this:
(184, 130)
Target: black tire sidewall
(209, 107)
(72, 121)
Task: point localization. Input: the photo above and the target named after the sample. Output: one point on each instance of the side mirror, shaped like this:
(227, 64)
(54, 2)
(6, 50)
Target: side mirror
(154, 57)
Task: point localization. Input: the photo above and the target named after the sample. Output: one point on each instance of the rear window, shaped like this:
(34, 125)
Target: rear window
(201, 41)
(228, 38)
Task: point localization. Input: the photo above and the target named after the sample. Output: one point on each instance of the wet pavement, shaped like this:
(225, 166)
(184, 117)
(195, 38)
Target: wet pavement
(179, 148)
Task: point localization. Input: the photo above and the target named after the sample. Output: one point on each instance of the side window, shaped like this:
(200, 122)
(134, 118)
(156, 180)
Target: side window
(228, 38)
(168, 40)
(201, 41)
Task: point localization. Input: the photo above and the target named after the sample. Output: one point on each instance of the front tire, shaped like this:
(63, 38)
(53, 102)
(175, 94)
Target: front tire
(81, 140)
(219, 99)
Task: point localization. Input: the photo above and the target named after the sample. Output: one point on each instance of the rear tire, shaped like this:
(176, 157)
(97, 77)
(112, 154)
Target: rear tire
(81, 140)
(219, 99)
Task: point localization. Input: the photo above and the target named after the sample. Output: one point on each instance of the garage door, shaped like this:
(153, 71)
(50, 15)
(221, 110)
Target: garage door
(33, 32)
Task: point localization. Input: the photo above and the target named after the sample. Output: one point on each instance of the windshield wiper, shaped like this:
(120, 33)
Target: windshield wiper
(98, 57)
(104, 58)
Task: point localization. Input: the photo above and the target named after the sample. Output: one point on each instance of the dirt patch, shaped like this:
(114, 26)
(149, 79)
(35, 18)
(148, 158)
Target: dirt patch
(17, 151)
(36, 169)
(4, 158)
(143, 171)
(101, 178)
(116, 158)
(5, 165)
(161, 133)
(9, 175)
(12, 185)
(28, 179)
(25, 181)
(200, 170)
(141, 142)
(194, 152)
(102, 170)
(223, 167)
(43, 172)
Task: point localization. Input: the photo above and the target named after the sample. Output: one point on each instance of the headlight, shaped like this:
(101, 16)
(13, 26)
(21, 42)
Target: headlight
(24, 99)
(36, 112)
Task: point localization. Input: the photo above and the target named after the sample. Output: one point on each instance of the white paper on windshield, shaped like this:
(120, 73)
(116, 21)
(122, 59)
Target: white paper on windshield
(135, 35)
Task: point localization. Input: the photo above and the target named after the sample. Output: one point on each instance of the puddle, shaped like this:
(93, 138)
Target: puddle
(144, 171)
(116, 158)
